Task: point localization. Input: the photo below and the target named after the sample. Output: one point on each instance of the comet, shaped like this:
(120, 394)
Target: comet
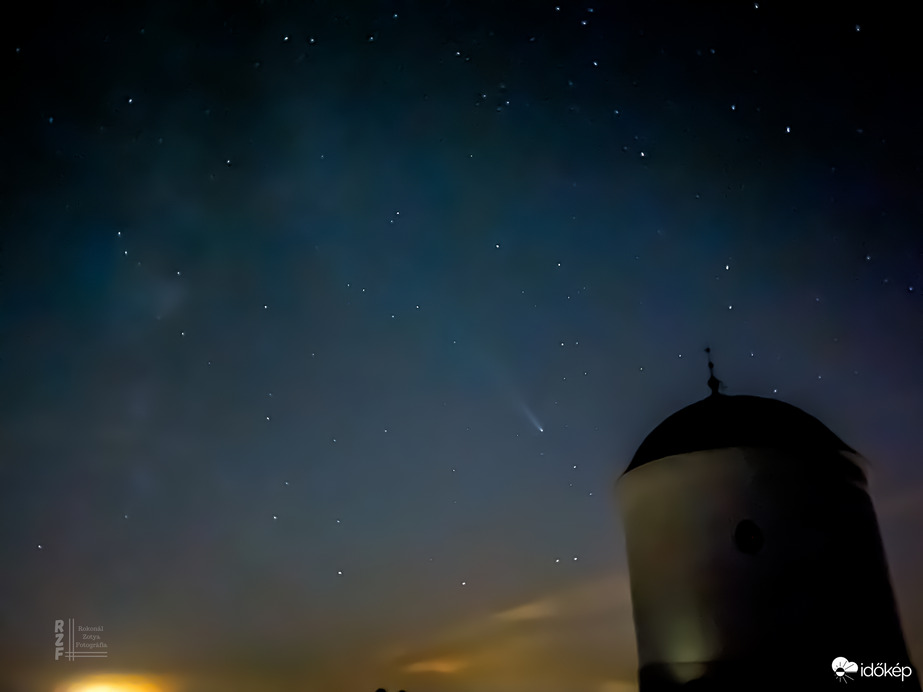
(532, 419)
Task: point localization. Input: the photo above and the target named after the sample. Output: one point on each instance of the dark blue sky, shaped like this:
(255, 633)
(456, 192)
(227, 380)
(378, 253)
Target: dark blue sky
(325, 329)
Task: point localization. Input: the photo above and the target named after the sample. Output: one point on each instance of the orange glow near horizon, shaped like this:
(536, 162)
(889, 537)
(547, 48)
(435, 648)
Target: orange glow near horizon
(114, 683)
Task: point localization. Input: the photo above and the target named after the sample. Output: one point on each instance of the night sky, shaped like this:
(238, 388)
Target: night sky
(326, 328)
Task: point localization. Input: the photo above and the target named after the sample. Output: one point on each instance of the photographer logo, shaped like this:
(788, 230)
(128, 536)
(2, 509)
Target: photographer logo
(74, 641)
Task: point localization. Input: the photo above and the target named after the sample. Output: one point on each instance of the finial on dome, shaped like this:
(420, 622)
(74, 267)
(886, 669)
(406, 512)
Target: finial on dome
(713, 382)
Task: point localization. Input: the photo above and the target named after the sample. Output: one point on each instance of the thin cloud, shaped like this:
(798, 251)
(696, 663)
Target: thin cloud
(602, 594)
(446, 666)
(536, 640)
(538, 610)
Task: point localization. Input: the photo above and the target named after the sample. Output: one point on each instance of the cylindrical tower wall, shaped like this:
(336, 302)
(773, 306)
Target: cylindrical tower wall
(738, 555)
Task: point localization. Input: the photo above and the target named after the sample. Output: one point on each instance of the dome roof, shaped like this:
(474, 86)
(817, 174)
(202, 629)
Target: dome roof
(720, 421)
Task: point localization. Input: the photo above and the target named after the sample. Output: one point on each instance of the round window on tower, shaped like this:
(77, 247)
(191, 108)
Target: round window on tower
(748, 537)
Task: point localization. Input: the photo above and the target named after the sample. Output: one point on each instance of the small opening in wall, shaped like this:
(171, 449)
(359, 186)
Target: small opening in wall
(748, 537)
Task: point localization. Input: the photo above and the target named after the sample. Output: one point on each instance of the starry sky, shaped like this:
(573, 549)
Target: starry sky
(326, 328)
